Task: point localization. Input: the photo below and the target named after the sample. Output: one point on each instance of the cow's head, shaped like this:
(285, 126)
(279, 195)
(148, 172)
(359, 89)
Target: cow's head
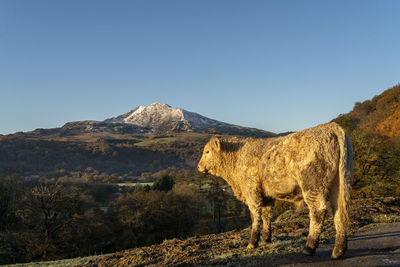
(210, 159)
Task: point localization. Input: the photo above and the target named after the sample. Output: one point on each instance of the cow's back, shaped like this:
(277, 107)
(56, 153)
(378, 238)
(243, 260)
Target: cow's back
(284, 166)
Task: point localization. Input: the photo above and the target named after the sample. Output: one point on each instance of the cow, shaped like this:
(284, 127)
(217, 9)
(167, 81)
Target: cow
(314, 165)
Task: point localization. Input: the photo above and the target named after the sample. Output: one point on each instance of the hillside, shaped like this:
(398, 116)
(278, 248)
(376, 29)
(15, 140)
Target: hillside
(111, 154)
(229, 248)
(374, 127)
(378, 116)
(289, 234)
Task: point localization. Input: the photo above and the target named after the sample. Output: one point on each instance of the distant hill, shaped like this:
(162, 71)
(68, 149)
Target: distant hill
(157, 118)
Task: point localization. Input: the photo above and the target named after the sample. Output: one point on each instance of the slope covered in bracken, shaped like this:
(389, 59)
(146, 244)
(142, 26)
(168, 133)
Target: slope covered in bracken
(380, 115)
(374, 127)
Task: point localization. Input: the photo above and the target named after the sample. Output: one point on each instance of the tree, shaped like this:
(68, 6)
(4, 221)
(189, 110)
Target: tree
(11, 189)
(217, 197)
(49, 213)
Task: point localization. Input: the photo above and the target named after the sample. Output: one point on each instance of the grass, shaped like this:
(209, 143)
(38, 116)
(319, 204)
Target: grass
(281, 244)
(387, 218)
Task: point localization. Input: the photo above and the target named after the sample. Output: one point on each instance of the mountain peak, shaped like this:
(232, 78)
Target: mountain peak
(154, 115)
(159, 104)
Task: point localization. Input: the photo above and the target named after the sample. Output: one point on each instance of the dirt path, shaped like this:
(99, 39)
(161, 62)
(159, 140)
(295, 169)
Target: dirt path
(378, 246)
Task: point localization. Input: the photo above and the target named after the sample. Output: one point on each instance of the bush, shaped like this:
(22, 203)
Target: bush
(165, 183)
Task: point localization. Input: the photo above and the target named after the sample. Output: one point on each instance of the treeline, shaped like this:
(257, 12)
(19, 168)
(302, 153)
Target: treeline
(53, 219)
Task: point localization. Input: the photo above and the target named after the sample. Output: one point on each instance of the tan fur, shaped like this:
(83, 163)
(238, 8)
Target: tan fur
(314, 165)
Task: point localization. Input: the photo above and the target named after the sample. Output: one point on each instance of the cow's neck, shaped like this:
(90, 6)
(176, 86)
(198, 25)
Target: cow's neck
(227, 164)
(227, 167)
(227, 171)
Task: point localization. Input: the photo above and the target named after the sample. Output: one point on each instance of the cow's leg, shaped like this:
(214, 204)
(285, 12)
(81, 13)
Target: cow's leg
(255, 211)
(340, 227)
(266, 213)
(317, 206)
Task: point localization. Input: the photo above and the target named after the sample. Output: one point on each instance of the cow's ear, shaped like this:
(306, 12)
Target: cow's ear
(216, 143)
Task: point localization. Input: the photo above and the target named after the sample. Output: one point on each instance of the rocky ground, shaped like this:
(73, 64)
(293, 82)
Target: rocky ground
(289, 235)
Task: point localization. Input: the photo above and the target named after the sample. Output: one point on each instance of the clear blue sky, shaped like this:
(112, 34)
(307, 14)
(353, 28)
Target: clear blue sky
(275, 65)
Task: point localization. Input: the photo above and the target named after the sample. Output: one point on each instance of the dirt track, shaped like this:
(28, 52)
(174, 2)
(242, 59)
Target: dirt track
(379, 246)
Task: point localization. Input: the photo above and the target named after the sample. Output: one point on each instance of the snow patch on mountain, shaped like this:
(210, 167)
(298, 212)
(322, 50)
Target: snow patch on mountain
(160, 115)
(154, 115)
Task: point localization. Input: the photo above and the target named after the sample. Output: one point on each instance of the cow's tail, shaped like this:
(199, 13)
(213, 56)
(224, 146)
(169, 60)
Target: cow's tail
(345, 179)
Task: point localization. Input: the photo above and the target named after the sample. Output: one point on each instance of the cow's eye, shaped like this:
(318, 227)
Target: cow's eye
(208, 151)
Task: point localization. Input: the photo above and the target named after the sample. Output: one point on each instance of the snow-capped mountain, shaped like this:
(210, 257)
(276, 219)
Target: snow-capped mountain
(156, 118)
(153, 116)
(161, 117)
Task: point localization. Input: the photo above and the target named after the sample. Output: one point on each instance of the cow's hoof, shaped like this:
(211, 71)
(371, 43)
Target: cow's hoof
(337, 255)
(308, 251)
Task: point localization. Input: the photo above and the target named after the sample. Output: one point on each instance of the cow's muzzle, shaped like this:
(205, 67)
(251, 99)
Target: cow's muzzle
(202, 169)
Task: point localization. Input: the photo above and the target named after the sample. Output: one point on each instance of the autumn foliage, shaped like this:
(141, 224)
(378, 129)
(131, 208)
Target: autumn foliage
(374, 127)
